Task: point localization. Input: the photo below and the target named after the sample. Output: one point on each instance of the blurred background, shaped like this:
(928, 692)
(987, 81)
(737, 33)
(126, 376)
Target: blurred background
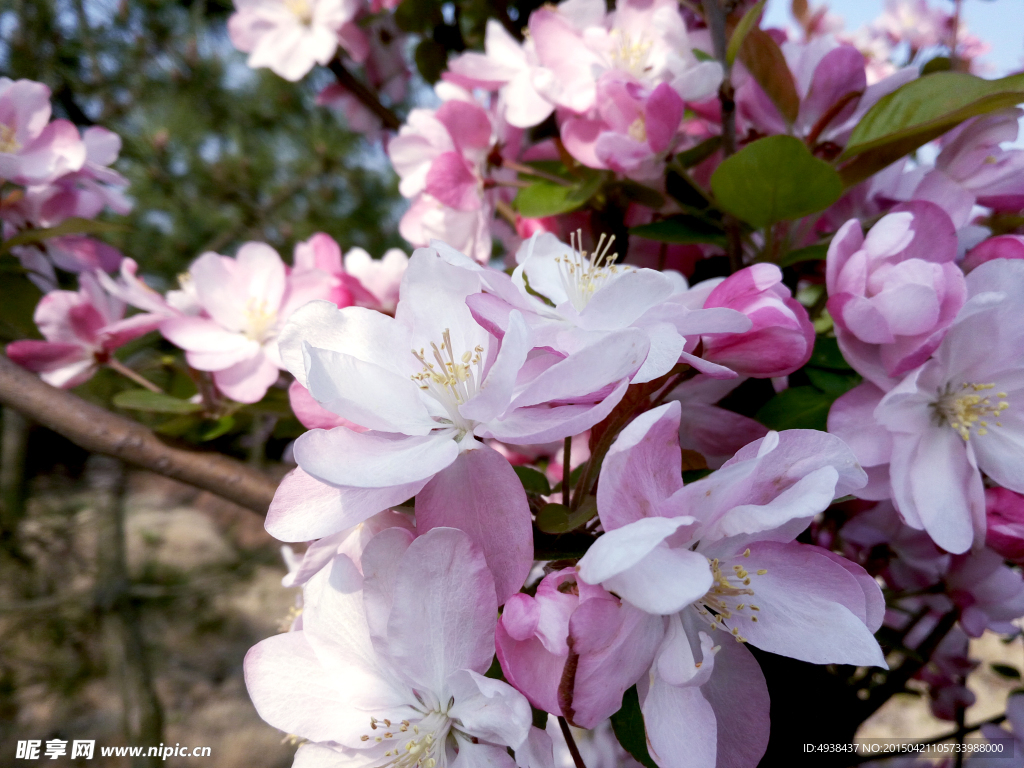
(127, 601)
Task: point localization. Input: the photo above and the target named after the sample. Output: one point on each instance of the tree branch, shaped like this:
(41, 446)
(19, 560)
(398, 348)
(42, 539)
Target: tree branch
(369, 99)
(715, 16)
(100, 431)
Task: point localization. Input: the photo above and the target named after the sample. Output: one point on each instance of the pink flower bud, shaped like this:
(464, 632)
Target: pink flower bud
(1001, 247)
(894, 293)
(1005, 516)
(781, 338)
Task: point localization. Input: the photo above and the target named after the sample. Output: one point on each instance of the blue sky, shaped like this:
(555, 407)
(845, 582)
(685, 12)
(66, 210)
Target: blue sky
(999, 22)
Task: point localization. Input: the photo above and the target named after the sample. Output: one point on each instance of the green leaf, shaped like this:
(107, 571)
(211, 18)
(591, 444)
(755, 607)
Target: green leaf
(558, 518)
(545, 198)
(796, 408)
(700, 55)
(739, 34)
(810, 253)
(642, 194)
(918, 112)
(222, 426)
(431, 59)
(72, 226)
(154, 402)
(628, 724)
(698, 154)
(764, 60)
(774, 179)
(18, 299)
(1006, 671)
(681, 229)
(826, 354)
(832, 382)
(534, 481)
(938, 64)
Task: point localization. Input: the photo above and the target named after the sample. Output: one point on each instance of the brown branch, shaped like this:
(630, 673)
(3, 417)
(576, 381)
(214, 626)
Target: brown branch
(715, 16)
(369, 99)
(100, 431)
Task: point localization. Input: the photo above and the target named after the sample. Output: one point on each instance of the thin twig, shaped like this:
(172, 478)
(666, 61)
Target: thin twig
(361, 91)
(116, 365)
(529, 171)
(571, 743)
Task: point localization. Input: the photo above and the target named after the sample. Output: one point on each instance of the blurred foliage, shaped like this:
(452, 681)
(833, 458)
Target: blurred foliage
(216, 153)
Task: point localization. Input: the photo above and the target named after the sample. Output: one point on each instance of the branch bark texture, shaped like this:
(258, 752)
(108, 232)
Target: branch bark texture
(100, 431)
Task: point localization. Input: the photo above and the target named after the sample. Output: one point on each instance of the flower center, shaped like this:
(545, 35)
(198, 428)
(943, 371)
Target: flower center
(453, 381)
(419, 745)
(259, 319)
(629, 54)
(638, 129)
(966, 410)
(727, 598)
(303, 9)
(583, 274)
(8, 142)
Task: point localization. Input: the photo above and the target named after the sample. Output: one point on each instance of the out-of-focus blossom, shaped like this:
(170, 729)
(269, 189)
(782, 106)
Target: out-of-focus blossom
(34, 150)
(781, 338)
(380, 277)
(894, 293)
(245, 302)
(1001, 247)
(291, 36)
(390, 662)
(995, 733)
(834, 94)
(973, 168)
(633, 127)
(511, 68)
(1004, 514)
(318, 260)
(990, 595)
(82, 329)
(915, 22)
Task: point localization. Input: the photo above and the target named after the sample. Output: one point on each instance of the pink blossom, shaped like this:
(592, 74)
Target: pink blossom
(34, 150)
(1001, 247)
(633, 127)
(1004, 515)
(84, 193)
(914, 22)
(424, 423)
(82, 329)
(894, 293)
(589, 295)
(989, 594)
(318, 262)
(351, 542)
(396, 653)
(834, 94)
(245, 301)
(611, 645)
(132, 290)
(994, 733)
(953, 417)
(973, 168)
(380, 277)
(781, 338)
(510, 68)
(290, 36)
(718, 554)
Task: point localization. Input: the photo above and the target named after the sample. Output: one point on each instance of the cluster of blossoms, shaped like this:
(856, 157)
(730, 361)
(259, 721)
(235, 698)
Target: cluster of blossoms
(51, 172)
(447, 590)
